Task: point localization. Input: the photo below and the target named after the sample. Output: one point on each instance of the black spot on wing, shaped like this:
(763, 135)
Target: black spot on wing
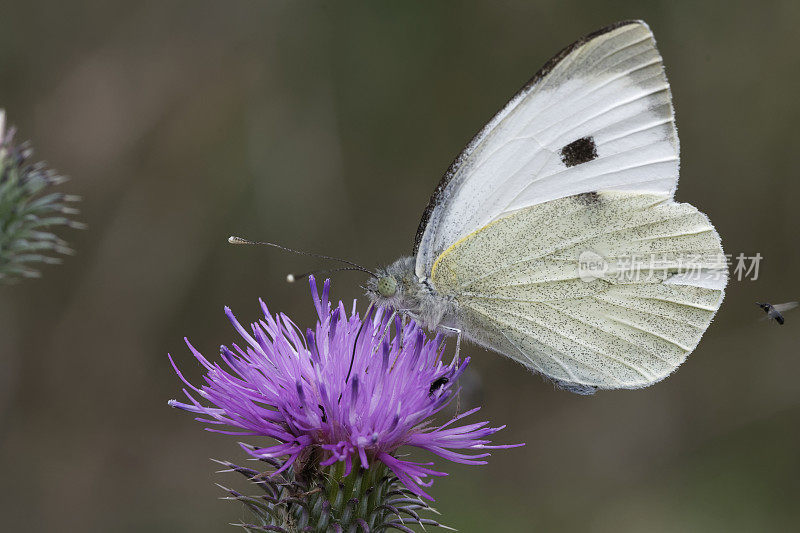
(581, 151)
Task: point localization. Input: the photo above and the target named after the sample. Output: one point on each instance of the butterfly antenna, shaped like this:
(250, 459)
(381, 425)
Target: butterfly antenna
(291, 278)
(355, 266)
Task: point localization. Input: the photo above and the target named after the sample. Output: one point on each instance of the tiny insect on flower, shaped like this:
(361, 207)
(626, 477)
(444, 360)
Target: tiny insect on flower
(354, 389)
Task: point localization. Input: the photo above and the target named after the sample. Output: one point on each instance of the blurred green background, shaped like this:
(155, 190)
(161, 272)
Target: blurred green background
(326, 126)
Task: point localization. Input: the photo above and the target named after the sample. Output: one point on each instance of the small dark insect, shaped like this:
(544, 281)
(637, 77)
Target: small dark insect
(775, 312)
(437, 384)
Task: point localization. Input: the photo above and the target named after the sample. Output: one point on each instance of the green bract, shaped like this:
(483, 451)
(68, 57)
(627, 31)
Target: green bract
(28, 210)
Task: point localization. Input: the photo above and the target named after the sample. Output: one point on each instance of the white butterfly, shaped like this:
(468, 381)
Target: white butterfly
(582, 162)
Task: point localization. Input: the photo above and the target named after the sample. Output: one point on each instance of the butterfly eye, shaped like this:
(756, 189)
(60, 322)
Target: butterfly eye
(387, 286)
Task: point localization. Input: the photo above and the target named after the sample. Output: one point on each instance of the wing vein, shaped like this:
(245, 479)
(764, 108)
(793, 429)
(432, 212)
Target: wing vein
(644, 348)
(580, 110)
(662, 337)
(606, 69)
(569, 338)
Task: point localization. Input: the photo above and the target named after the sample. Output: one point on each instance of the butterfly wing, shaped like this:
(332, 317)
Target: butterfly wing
(625, 320)
(584, 160)
(598, 116)
(782, 308)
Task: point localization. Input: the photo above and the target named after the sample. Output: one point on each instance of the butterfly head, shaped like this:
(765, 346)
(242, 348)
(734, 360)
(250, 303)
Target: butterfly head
(392, 286)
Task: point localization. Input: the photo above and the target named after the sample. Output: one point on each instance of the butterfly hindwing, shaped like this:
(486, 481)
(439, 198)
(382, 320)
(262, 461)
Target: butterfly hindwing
(521, 290)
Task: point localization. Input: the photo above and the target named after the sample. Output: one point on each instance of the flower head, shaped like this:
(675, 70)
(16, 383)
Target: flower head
(28, 208)
(353, 389)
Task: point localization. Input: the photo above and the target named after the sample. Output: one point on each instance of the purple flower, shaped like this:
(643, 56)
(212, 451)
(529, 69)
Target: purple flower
(351, 387)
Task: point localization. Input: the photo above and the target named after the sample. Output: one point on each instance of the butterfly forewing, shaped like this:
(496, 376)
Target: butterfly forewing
(598, 116)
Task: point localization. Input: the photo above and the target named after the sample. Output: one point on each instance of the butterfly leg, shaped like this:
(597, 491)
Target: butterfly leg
(458, 340)
(404, 314)
(407, 314)
(404, 319)
(385, 332)
(456, 360)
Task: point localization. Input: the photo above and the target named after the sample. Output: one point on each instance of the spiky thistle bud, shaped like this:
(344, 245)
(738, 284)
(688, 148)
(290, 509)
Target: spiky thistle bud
(28, 209)
(307, 498)
(340, 401)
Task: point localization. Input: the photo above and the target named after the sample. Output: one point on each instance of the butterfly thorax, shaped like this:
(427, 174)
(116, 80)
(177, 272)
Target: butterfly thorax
(398, 287)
